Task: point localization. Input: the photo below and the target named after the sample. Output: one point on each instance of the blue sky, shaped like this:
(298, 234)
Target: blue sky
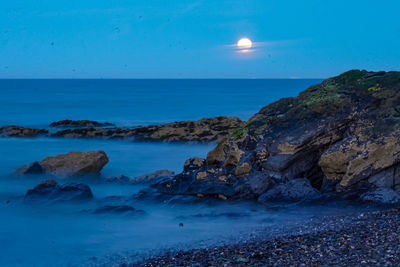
(193, 39)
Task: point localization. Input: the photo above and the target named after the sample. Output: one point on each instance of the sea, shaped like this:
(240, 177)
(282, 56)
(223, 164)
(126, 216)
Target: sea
(66, 235)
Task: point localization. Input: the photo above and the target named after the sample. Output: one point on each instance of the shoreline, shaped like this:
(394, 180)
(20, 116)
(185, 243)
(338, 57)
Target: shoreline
(364, 239)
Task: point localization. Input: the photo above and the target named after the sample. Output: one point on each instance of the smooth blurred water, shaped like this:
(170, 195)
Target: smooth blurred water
(61, 235)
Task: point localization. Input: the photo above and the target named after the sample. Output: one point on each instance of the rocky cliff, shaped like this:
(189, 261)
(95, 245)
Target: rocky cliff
(342, 135)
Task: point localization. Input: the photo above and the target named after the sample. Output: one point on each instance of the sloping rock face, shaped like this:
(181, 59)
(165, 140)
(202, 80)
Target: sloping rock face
(50, 191)
(19, 131)
(70, 164)
(342, 135)
(80, 123)
(204, 130)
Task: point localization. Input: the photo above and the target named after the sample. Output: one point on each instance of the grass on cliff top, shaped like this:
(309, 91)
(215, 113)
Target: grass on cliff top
(338, 95)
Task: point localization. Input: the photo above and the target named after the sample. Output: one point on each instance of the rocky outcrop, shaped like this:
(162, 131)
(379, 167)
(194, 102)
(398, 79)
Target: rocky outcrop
(19, 131)
(342, 135)
(204, 130)
(50, 191)
(70, 164)
(80, 123)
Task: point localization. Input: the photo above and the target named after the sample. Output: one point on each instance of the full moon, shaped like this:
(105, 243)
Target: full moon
(244, 43)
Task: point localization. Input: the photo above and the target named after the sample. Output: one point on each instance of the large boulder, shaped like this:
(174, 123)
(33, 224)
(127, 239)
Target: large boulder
(342, 135)
(19, 131)
(204, 130)
(80, 123)
(50, 191)
(70, 164)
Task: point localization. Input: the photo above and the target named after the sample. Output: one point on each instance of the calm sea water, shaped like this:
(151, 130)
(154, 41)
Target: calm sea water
(137, 102)
(62, 235)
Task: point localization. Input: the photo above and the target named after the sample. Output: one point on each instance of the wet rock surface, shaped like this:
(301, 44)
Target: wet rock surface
(67, 165)
(50, 191)
(80, 123)
(19, 131)
(341, 135)
(369, 239)
(204, 130)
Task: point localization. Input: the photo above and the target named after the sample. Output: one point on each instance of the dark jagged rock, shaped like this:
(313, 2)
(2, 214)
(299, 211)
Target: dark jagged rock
(80, 123)
(19, 131)
(49, 190)
(122, 209)
(70, 164)
(204, 130)
(342, 135)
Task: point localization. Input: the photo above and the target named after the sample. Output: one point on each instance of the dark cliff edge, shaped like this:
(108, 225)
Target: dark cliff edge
(342, 135)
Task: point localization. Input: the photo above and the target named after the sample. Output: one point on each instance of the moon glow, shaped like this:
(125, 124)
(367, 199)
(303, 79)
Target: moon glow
(244, 43)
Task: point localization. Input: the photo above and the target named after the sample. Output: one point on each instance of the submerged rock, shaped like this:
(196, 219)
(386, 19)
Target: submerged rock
(19, 131)
(122, 209)
(119, 179)
(70, 164)
(142, 179)
(80, 123)
(342, 135)
(49, 190)
(204, 130)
